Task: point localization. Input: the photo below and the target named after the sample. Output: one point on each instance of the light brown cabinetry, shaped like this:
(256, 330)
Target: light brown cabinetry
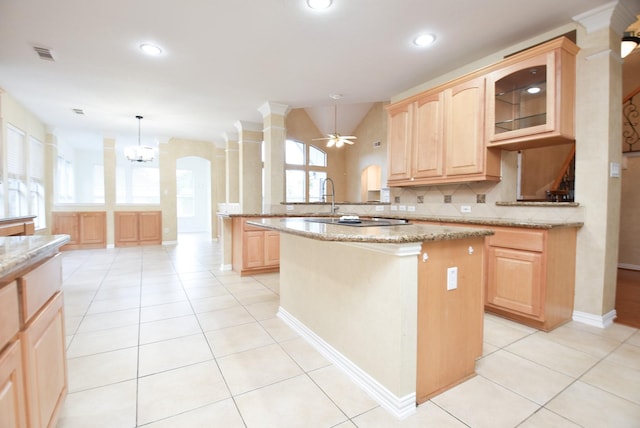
(255, 249)
(531, 97)
(138, 228)
(33, 371)
(530, 275)
(438, 137)
(17, 226)
(87, 229)
(449, 320)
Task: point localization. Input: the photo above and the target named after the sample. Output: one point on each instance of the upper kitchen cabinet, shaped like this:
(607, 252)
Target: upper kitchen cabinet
(531, 97)
(438, 137)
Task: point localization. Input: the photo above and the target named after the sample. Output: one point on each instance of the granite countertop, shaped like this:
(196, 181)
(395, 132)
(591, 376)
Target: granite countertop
(377, 234)
(19, 252)
(471, 221)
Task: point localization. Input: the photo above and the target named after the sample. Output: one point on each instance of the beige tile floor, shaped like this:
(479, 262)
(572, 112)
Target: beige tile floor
(160, 337)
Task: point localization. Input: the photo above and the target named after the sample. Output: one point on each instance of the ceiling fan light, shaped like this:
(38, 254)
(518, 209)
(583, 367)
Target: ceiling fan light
(628, 44)
(151, 50)
(319, 4)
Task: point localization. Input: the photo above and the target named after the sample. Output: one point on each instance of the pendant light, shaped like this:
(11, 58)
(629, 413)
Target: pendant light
(629, 43)
(139, 153)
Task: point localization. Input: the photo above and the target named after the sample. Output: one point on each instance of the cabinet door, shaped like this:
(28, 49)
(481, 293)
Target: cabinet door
(515, 280)
(93, 228)
(126, 228)
(45, 366)
(428, 136)
(150, 227)
(464, 135)
(66, 224)
(253, 249)
(12, 405)
(399, 142)
(271, 248)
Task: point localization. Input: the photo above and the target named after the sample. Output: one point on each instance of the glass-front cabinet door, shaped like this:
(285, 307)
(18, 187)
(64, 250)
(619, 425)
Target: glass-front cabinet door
(530, 101)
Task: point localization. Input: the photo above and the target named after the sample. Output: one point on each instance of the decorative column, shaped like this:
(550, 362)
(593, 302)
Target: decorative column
(109, 165)
(274, 133)
(232, 167)
(598, 152)
(250, 161)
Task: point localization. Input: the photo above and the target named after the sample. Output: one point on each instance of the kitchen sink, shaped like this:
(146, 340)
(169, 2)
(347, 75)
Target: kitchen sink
(358, 222)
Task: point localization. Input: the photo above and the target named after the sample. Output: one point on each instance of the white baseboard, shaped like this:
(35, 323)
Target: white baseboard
(628, 266)
(401, 407)
(169, 243)
(226, 267)
(600, 321)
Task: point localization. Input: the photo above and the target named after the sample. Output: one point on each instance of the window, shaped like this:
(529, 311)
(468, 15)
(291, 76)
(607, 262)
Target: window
(36, 185)
(185, 190)
(306, 168)
(17, 173)
(80, 170)
(136, 182)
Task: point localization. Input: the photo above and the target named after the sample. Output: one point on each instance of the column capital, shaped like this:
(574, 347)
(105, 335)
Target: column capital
(242, 125)
(230, 137)
(270, 108)
(614, 14)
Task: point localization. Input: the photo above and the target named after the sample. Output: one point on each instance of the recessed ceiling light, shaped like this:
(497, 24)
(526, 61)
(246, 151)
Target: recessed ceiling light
(151, 50)
(534, 90)
(424, 40)
(319, 4)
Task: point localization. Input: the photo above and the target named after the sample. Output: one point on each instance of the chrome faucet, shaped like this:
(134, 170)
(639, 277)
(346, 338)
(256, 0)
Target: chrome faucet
(332, 194)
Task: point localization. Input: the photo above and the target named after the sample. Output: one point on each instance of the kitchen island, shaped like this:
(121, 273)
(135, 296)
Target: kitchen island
(398, 308)
(33, 371)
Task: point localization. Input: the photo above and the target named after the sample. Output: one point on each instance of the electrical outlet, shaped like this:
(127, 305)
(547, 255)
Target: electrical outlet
(452, 278)
(394, 208)
(289, 207)
(379, 208)
(402, 207)
(465, 208)
(411, 208)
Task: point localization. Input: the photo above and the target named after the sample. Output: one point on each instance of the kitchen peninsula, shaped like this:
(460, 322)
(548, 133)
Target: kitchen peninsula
(399, 308)
(33, 367)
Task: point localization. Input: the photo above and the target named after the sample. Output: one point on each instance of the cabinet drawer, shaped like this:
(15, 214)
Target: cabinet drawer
(39, 285)
(9, 319)
(521, 239)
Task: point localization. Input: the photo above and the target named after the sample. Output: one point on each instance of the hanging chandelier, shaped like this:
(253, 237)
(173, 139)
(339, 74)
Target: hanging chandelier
(139, 153)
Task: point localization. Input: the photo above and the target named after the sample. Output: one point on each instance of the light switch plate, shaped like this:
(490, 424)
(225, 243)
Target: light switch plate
(465, 208)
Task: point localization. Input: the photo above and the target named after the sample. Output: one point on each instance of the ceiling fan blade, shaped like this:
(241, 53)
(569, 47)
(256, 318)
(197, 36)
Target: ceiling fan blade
(324, 138)
(349, 137)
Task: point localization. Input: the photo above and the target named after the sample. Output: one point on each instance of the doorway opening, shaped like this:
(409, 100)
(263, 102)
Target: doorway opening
(193, 198)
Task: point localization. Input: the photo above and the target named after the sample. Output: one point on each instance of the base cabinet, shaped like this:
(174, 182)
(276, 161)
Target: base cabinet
(255, 249)
(530, 276)
(12, 399)
(43, 344)
(134, 228)
(87, 230)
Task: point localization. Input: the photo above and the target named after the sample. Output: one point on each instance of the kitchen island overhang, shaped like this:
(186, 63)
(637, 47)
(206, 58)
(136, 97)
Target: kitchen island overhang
(356, 293)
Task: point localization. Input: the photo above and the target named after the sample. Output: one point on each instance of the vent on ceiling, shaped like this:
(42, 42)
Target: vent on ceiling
(43, 53)
(78, 111)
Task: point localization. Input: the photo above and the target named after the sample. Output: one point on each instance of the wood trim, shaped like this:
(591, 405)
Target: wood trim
(563, 169)
(631, 95)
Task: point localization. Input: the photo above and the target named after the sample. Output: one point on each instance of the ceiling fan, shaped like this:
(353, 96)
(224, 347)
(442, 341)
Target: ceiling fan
(336, 139)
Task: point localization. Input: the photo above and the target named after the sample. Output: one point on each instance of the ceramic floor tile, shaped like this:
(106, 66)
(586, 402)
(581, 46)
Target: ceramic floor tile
(102, 369)
(544, 418)
(222, 414)
(499, 333)
(304, 354)
(533, 381)
(112, 305)
(171, 354)
(216, 320)
(626, 355)
(291, 403)
(597, 345)
(246, 371)
(542, 350)
(213, 303)
(263, 310)
(168, 310)
(160, 298)
(617, 379)
(106, 293)
(255, 296)
(107, 320)
(206, 291)
(481, 403)
(237, 339)
(278, 329)
(426, 415)
(175, 391)
(103, 341)
(71, 323)
(348, 396)
(591, 407)
(614, 331)
(111, 406)
(155, 331)
(634, 339)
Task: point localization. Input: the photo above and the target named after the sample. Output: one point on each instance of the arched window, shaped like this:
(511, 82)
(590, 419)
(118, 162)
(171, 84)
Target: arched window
(306, 168)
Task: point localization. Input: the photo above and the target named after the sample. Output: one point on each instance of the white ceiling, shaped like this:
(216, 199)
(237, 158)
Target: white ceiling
(224, 59)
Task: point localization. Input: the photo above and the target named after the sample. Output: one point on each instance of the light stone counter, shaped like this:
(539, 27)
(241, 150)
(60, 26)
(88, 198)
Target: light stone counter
(18, 253)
